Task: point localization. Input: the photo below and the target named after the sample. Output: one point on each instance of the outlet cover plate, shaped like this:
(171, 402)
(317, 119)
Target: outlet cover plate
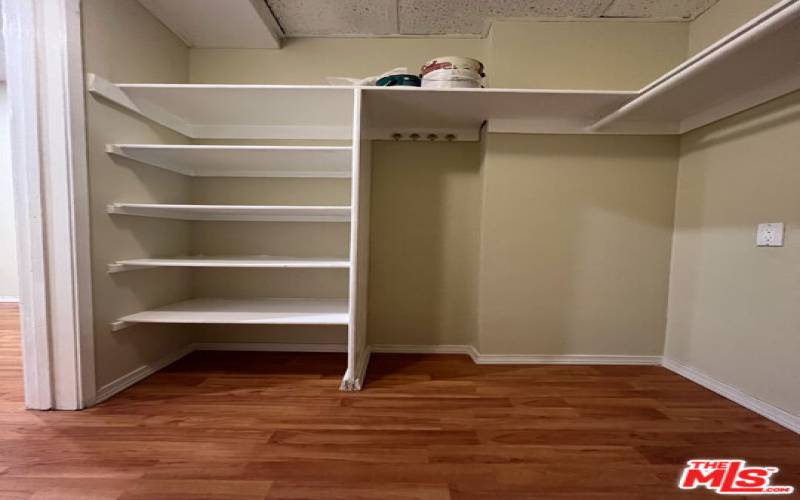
(770, 234)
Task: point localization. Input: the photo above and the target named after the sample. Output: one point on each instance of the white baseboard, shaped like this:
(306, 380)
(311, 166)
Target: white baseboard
(139, 374)
(267, 347)
(777, 415)
(425, 349)
(566, 359)
(518, 359)
(9, 299)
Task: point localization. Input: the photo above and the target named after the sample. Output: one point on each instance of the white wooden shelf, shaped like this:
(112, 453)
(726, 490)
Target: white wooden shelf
(264, 213)
(463, 111)
(255, 261)
(244, 311)
(754, 64)
(237, 111)
(242, 161)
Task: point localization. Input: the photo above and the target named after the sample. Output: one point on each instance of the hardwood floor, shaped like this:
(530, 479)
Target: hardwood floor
(258, 425)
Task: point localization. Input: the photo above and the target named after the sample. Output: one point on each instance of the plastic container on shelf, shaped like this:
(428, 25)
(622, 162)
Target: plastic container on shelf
(399, 81)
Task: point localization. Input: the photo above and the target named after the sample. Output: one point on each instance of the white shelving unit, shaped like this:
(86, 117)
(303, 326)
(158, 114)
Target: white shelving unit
(231, 262)
(754, 64)
(241, 161)
(258, 213)
(244, 312)
(250, 112)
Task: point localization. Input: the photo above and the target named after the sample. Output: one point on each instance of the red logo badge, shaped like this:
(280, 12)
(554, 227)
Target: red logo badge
(730, 477)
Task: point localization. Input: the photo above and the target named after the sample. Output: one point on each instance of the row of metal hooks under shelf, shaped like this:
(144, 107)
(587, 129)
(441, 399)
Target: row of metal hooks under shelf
(397, 136)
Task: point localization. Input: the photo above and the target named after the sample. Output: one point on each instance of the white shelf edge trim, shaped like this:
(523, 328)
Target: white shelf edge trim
(248, 262)
(254, 213)
(772, 17)
(128, 151)
(261, 311)
(766, 410)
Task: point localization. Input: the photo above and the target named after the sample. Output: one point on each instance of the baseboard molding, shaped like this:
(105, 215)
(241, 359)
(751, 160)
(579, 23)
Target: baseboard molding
(9, 299)
(267, 347)
(139, 374)
(567, 359)
(777, 415)
(518, 359)
(424, 349)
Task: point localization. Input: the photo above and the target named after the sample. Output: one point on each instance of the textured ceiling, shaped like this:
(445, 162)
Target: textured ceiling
(457, 17)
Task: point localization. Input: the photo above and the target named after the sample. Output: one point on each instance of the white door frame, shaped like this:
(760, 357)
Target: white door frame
(48, 151)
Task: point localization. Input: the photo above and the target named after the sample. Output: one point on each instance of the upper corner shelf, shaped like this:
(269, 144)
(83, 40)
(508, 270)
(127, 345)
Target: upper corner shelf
(238, 111)
(529, 111)
(753, 64)
(241, 161)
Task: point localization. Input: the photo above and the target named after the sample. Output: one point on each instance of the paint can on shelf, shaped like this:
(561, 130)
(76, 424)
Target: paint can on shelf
(452, 79)
(453, 63)
(452, 72)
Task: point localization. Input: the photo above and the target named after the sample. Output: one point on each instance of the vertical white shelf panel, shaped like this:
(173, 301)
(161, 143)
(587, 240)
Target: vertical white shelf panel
(357, 347)
(241, 161)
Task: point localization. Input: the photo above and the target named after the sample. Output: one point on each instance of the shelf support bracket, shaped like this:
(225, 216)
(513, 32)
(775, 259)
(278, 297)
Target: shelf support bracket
(120, 325)
(120, 268)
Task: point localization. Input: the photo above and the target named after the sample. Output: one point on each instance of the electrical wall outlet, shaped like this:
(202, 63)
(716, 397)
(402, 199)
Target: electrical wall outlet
(770, 234)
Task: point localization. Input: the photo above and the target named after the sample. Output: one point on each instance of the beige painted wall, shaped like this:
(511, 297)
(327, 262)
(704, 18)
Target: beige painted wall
(733, 307)
(734, 310)
(424, 243)
(721, 19)
(607, 55)
(576, 244)
(125, 43)
(9, 280)
(602, 55)
(310, 60)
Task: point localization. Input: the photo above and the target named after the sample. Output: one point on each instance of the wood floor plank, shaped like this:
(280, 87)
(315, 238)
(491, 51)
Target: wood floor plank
(248, 425)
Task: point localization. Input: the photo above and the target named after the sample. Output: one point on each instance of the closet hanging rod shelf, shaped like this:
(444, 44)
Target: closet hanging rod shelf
(755, 63)
(242, 161)
(256, 213)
